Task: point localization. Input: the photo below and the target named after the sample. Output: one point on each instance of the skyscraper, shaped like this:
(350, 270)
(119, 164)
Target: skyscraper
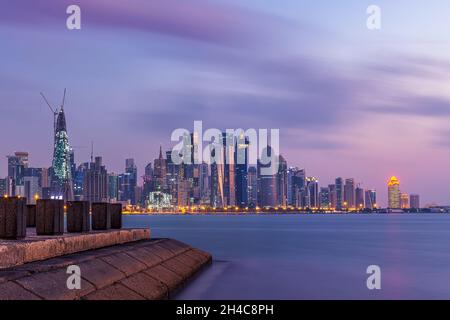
(359, 198)
(17, 164)
(312, 193)
(129, 188)
(324, 198)
(113, 187)
(61, 177)
(267, 183)
(95, 185)
(404, 200)
(298, 185)
(370, 198)
(332, 188)
(241, 160)
(32, 191)
(160, 172)
(3, 187)
(229, 184)
(349, 193)
(414, 201)
(339, 183)
(393, 193)
(282, 182)
(252, 187)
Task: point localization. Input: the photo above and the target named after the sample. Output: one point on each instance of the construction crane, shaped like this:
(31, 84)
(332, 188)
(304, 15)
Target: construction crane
(56, 110)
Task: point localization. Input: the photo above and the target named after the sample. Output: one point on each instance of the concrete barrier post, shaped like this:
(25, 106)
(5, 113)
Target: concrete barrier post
(116, 216)
(49, 217)
(101, 216)
(12, 218)
(31, 215)
(78, 219)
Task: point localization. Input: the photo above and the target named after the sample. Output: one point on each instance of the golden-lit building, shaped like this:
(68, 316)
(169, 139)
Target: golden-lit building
(404, 200)
(394, 193)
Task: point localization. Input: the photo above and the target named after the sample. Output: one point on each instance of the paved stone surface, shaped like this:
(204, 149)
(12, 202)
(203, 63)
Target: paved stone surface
(166, 276)
(124, 263)
(36, 248)
(12, 291)
(100, 273)
(145, 269)
(52, 285)
(146, 286)
(114, 292)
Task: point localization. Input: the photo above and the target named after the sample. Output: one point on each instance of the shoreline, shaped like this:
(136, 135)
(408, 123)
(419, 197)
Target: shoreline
(278, 213)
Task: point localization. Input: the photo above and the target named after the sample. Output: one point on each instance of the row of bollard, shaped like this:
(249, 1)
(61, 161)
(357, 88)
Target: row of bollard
(47, 216)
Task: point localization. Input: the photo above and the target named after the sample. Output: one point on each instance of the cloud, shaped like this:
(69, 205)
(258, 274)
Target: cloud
(198, 20)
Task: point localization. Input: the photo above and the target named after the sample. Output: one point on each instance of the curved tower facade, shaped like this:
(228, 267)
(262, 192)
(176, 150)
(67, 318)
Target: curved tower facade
(61, 183)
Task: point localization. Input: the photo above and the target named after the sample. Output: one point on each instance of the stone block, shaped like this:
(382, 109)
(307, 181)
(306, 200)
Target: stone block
(78, 219)
(101, 216)
(12, 218)
(31, 215)
(146, 286)
(49, 217)
(116, 215)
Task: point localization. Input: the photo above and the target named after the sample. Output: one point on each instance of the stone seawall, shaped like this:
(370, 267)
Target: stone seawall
(138, 270)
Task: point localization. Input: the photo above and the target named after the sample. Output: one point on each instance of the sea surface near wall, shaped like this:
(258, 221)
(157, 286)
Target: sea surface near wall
(313, 256)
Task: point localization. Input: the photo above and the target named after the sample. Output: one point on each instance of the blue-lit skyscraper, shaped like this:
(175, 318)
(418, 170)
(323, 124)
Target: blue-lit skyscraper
(241, 171)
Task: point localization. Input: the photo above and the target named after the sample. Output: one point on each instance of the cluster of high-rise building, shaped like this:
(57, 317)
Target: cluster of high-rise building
(168, 184)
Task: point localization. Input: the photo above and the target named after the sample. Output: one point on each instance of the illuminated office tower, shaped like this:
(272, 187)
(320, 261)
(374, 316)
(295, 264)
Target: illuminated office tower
(349, 193)
(160, 172)
(229, 185)
(267, 178)
(414, 201)
(332, 195)
(394, 193)
(17, 164)
(241, 160)
(113, 187)
(359, 198)
(339, 183)
(312, 192)
(282, 182)
(32, 191)
(324, 196)
(95, 183)
(3, 187)
(370, 198)
(404, 200)
(252, 187)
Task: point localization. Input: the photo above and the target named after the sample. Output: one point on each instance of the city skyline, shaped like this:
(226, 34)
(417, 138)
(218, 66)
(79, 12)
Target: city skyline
(349, 102)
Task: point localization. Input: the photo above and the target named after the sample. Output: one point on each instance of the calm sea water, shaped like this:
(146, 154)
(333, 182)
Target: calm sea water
(313, 256)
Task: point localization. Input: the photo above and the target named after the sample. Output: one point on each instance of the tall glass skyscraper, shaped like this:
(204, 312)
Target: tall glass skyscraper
(339, 183)
(61, 182)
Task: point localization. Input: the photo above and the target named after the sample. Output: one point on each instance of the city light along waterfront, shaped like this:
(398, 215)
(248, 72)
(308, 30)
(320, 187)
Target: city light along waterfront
(170, 187)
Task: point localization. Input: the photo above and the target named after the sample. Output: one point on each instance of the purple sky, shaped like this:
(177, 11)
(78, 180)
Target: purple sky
(348, 101)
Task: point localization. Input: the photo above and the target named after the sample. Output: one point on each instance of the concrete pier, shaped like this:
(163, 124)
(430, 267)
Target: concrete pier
(107, 264)
(139, 270)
